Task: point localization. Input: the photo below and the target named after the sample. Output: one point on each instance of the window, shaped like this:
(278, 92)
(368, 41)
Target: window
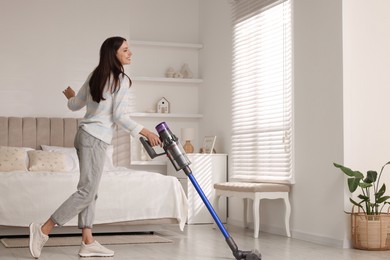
(262, 105)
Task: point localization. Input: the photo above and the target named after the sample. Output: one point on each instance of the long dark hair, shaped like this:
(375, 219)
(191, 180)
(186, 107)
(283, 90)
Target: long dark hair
(109, 65)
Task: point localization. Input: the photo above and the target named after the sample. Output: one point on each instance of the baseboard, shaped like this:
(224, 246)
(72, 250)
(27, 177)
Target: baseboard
(268, 229)
(235, 222)
(326, 241)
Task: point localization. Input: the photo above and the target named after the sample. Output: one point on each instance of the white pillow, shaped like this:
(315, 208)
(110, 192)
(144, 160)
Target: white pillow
(46, 161)
(13, 159)
(71, 158)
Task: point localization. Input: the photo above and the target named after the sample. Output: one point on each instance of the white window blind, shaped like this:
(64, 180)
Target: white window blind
(262, 105)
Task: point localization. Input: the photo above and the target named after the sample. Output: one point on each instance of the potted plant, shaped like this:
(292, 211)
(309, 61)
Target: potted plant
(370, 225)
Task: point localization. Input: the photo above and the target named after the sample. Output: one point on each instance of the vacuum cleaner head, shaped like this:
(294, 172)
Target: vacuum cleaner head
(253, 255)
(247, 255)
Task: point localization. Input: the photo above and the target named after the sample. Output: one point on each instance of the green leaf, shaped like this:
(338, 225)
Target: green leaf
(382, 199)
(364, 198)
(355, 203)
(358, 175)
(365, 185)
(346, 170)
(371, 177)
(381, 191)
(353, 183)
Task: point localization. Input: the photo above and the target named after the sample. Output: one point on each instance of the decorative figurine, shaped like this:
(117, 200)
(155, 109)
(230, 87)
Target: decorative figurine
(186, 72)
(163, 106)
(170, 72)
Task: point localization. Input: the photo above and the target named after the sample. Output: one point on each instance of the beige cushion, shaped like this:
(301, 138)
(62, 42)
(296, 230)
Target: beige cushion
(46, 161)
(252, 187)
(12, 159)
(70, 156)
(72, 160)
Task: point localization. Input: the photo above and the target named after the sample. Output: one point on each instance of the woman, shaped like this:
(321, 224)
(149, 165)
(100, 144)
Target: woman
(105, 95)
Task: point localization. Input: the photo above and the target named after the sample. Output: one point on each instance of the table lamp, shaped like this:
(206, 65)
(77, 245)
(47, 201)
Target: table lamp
(188, 134)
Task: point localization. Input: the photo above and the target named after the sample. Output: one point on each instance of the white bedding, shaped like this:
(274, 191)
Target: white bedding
(124, 195)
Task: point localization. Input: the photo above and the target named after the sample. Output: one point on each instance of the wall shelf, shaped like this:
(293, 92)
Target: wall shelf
(167, 80)
(155, 57)
(165, 115)
(196, 46)
(152, 163)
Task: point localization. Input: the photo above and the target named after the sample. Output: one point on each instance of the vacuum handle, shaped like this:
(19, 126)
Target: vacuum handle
(149, 149)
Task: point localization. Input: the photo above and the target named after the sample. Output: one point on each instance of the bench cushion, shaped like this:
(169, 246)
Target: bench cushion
(252, 187)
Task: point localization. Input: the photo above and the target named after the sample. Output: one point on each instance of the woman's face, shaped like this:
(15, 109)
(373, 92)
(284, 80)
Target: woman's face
(124, 54)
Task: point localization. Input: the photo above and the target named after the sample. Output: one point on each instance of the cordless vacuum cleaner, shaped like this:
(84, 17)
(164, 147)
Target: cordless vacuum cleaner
(174, 150)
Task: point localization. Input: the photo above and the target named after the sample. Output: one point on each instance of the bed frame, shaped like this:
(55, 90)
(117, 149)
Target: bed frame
(33, 132)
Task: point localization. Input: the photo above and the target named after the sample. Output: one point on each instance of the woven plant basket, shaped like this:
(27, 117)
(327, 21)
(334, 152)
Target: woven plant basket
(370, 232)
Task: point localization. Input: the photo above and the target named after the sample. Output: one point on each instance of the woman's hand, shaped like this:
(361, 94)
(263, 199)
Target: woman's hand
(69, 92)
(153, 139)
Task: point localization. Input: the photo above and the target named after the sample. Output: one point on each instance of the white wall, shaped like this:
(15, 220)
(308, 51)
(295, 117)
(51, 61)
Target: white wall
(317, 195)
(48, 45)
(366, 52)
(366, 85)
(215, 68)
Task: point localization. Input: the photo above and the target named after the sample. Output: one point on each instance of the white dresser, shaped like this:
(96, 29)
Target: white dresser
(207, 170)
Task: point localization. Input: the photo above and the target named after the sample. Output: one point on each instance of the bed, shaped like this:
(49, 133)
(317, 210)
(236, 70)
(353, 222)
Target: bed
(44, 147)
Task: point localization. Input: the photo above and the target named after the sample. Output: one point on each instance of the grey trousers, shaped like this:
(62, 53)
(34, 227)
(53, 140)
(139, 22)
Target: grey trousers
(91, 152)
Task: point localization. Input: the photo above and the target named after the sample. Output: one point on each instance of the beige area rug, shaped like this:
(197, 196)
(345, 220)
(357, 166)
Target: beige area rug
(76, 240)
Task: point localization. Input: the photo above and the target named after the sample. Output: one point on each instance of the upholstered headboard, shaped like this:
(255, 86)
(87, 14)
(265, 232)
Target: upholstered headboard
(35, 131)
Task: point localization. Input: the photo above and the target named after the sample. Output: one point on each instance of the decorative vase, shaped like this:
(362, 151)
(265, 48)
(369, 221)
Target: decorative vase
(186, 72)
(188, 148)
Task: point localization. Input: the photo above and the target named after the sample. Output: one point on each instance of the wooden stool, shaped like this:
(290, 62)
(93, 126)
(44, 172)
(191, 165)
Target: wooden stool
(255, 192)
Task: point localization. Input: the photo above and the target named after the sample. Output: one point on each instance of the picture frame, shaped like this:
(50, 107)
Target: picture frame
(208, 144)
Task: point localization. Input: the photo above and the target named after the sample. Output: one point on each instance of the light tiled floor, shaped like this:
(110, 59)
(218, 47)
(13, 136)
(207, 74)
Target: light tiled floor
(202, 242)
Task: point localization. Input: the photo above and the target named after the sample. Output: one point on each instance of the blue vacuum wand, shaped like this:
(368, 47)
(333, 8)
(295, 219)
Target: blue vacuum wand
(174, 151)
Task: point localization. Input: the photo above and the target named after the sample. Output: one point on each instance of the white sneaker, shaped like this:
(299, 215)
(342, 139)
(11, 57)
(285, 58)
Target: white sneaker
(94, 249)
(37, 240)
